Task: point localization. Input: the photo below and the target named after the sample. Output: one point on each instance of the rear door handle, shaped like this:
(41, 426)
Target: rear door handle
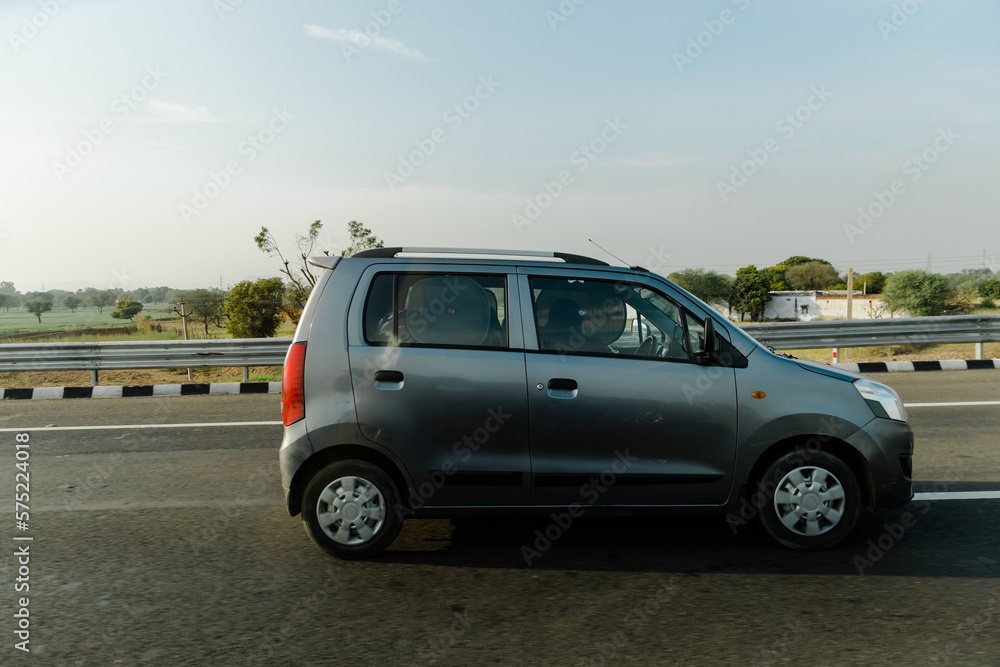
(388, 380)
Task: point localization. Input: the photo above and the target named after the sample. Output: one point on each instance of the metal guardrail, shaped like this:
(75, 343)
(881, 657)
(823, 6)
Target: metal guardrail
(118, 355)
(247, 352)
(976, 329)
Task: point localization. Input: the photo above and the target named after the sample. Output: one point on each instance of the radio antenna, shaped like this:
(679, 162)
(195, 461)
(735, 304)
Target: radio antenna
(608, 253)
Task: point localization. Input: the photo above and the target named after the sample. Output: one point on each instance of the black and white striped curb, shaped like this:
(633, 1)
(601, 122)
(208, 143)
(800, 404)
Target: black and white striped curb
(144, 390)
(904, 366)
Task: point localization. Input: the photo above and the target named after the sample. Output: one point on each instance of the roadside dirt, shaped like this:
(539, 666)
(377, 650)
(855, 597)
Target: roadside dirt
(134, 377)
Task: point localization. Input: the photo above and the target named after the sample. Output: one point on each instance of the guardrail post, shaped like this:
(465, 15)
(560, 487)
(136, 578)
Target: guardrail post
(246, 373)
(93, 378)
(979, 350)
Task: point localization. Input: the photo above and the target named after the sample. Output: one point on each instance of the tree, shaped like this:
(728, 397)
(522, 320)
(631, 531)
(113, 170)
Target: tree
(126, 309)
(919, 292)
(871, 283)
(8, 301)
(72, 302)
(989, 290)
(796, 260)
(101, 299)
(749, 292)
(361, 239)
(811, 276)
(709, 286)
(253, 309)
(7, 287)
(205, 306)
(37, 305)
(776, 277)
(301, 276)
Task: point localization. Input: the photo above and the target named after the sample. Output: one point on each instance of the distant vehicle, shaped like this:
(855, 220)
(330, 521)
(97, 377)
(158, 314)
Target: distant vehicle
(445, 382)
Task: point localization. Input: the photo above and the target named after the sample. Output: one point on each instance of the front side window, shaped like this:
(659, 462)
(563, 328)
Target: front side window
(436, 310)
(615, 318)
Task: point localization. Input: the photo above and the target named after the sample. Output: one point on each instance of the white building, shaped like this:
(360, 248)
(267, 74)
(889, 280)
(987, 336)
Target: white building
(826, 305)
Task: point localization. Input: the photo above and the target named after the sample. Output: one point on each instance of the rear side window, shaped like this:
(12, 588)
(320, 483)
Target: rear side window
(436, 309)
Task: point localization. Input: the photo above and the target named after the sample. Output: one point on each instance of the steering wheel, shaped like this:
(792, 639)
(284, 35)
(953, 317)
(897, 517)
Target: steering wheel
(646, 347)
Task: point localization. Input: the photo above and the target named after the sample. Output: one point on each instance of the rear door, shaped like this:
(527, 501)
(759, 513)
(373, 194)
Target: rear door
(437, 367)
(615, 420)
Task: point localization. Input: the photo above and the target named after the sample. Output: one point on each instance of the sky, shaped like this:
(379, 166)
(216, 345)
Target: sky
(145, 143)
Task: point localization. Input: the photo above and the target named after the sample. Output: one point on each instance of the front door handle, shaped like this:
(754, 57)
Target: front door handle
(562, 388)
(562, 384)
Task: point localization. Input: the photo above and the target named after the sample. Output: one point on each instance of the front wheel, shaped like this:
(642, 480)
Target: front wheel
(812, 501)
(348, 510)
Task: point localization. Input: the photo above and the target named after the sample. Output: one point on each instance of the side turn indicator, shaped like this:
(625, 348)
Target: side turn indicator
(758, 394)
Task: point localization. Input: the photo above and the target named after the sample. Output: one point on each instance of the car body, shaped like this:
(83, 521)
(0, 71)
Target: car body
(439, 382)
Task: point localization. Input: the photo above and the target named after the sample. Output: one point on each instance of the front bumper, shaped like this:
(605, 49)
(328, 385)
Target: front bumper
(888, 447)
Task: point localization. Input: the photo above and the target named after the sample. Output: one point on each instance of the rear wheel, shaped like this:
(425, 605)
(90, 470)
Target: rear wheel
(348, 509)
(812, 501)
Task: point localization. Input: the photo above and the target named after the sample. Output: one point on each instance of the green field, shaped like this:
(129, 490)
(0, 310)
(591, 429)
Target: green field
(18, 321)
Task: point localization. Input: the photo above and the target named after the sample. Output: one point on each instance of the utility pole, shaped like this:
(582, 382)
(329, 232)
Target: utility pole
(850, 297)
(184, 322)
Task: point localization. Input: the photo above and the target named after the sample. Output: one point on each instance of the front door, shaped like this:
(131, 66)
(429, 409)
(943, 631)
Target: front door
(620, 413)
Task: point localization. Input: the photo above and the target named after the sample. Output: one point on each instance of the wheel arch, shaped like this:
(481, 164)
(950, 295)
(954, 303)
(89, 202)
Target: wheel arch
(807, 443)
(328, 455)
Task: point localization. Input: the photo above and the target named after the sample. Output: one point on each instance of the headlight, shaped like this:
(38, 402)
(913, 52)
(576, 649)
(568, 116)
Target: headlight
(883, 401)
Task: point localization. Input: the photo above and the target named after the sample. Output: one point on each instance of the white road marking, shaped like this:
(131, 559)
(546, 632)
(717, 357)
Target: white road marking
(125, 426)
(945, 405)
(958, 495)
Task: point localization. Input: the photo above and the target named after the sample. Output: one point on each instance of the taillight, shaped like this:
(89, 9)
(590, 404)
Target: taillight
(293, 400)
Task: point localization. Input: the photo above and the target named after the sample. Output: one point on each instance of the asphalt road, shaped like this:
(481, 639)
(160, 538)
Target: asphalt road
(171, 546)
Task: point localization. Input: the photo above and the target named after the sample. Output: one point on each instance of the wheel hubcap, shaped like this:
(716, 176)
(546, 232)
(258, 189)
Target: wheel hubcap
(810, 501)
(350, 510)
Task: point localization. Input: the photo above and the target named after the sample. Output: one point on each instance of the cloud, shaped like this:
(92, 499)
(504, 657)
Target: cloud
(168, 112)
(363, 41)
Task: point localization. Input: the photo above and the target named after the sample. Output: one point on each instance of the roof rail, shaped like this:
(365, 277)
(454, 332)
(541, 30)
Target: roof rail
(567, 257)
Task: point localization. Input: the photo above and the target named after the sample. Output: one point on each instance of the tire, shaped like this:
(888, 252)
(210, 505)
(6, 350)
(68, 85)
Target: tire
(348, 509)
(812, 501)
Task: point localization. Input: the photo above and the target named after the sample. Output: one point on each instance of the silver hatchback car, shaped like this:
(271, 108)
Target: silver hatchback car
(437, 382)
